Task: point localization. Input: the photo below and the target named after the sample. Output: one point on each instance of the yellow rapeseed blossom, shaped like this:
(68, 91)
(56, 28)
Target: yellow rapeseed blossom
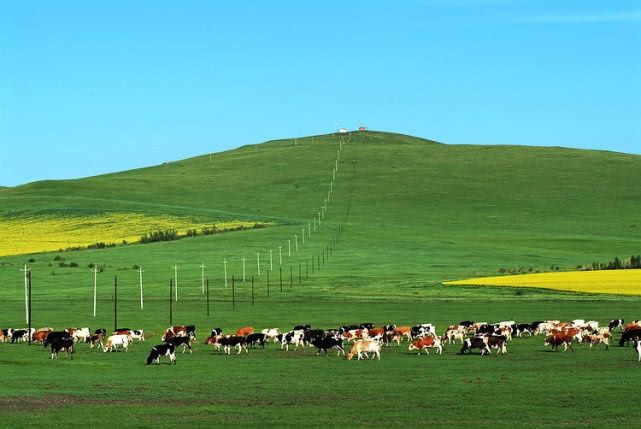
(622, 282)
(32, 234)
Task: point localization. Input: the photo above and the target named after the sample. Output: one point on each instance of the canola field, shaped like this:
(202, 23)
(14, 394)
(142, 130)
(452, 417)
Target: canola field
(45, 233)
(620, 282)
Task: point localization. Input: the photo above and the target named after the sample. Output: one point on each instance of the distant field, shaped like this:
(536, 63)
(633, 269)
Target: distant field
(42, 233)
(624, 282)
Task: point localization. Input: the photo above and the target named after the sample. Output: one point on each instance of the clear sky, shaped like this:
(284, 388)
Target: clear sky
(94, 87)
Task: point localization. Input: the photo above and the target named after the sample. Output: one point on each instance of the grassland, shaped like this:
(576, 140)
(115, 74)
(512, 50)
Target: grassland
(624, 282)
(420, 213)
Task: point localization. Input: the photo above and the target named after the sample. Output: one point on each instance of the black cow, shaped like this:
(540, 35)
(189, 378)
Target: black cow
(167, 349)
(59, 344)
(256, 338)
(302, 328)
(615, 323)
(53, 336)
(475, 343)
(633, 334)
(326, 343)
(182, 341)
(466, 323)
(228, 342)
(312, 335)
(216, 332)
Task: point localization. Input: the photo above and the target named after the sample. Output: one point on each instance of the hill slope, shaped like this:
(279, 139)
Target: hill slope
(421, 212)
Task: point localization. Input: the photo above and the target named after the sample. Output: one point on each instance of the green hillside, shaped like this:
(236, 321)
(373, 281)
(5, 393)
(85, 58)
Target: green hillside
(422, 212)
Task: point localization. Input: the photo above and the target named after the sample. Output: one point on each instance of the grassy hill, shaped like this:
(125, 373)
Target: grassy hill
(422, 212)
(419, 213)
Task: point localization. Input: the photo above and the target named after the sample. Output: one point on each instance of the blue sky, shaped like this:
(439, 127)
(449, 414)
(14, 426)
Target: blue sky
(89, 88)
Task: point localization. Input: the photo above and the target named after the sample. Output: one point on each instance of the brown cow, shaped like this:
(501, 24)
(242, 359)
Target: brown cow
(40, 336)
(426, 342)
(243, 332)
(559, 339)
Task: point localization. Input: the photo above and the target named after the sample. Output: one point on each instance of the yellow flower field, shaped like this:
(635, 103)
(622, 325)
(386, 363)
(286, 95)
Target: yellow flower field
(622, 282)
(48, 233)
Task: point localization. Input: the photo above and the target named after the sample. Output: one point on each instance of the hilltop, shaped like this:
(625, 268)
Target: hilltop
(422, 212)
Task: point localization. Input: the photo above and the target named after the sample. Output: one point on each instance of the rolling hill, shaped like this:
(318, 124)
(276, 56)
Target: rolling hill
(421, 213)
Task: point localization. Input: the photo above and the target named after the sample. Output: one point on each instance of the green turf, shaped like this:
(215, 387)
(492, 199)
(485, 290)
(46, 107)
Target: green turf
(420, 213)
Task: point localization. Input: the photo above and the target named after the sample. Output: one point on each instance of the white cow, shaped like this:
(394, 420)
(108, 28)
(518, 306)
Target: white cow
(81, 335)
(272, 333)
(117, 340)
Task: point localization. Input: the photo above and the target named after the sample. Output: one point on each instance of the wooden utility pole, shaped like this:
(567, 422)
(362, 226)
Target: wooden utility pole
(26, 293)
(202, 276)
(142, 304)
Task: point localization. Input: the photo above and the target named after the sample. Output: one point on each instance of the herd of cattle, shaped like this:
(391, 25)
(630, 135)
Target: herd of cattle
(366, 340)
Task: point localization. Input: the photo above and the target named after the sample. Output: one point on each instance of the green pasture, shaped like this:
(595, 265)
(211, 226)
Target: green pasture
(419, 213)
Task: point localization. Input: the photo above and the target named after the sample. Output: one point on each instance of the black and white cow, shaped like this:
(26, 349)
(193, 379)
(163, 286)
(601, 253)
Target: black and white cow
(167, 349)
(466, 323)
(313, 334)
(53, 336)
(366, 326)
(20, 335)
(292, 337)
(302, 328)
(327, 342)
(239, 342)
(522, 328)
(216, 332)
(59, 344)
(632, 334)
(182, 341)
(615, 323)
(346, 328)
(100, 331)
(475, 343)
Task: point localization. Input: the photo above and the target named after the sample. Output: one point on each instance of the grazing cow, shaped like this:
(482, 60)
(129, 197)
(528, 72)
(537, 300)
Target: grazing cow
(451, 335)
(243, 332)
(216, 332)
(480, 343)
(238, 342)
(423, 329)
(630, 334)
(53, 336)
(182, 341)
(560, 339)
(39, 337)
(117, 340)
(271, 333)
(311, 335)
(594, 339)
(615, 323)
(327, 342)
(426, 342)
(523, 328)
(292, 337)
(19, 335)
(59, 344)
(179, 331)
(96, 340)
(355, 334)
(400, 332)
(137, 334)
(366, 347)
(497, 342)
(167, 349)
(253, 339)
(376, 333)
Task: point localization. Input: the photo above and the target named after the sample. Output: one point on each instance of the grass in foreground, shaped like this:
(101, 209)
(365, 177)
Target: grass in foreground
(623, 282)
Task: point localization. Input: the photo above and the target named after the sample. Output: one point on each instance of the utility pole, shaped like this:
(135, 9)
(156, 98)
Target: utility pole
(95, 276)
(271, 265)
(225, 265)
(280, 255)
(296, 242)
(289, 247)
(258, 261)
(243, 269)
(303, 236)
(29, 313)
(140, 271)
(176, 280)
(26, 292)
(115, 303)
(202, 276)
